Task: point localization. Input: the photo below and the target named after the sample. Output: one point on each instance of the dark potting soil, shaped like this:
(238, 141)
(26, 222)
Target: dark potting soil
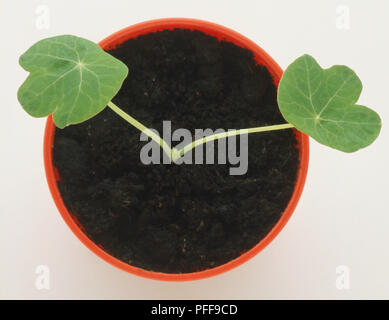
(179, 218)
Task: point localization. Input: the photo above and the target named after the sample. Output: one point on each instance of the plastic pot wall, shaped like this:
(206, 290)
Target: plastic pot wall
(262, 58)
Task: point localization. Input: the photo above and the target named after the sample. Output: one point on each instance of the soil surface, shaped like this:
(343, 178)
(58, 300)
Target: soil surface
(179, 218)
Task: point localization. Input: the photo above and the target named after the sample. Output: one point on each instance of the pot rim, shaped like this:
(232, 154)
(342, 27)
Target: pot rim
(222, 33)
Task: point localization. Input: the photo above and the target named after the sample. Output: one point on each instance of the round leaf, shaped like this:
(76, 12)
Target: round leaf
(321, 103)
(71, 77)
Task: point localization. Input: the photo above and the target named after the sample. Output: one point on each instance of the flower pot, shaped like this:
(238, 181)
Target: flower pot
(262, 58)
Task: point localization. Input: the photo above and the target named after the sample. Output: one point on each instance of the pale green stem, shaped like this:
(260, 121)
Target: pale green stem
(175, 154)
(142, 128)
(230, 133)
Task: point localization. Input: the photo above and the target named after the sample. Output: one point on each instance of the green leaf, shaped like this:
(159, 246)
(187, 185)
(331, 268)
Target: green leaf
(71, 77)
(322, 103)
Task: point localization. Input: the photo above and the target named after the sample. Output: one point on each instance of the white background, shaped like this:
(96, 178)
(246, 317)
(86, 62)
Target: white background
(342, 217)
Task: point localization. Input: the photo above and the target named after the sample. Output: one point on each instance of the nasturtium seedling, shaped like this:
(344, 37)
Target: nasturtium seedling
(74, 79)
(322, 103)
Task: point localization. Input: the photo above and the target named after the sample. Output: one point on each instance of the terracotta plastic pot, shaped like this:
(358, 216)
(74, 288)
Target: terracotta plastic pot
(262, 58)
